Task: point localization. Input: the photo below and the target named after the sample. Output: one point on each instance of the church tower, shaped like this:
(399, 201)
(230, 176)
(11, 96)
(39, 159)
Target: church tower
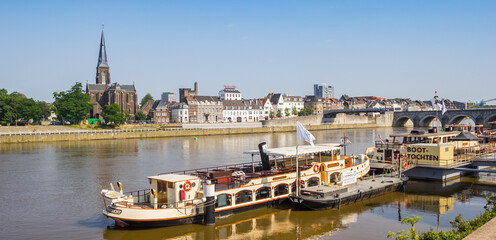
(102, 68)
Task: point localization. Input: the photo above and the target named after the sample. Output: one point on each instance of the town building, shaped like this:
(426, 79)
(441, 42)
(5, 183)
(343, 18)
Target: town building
(162, 113)
(209, 109)
(169, 97)
(323, 90)
(187, 92)
(179, 113)
(229, 93)
(105, 93)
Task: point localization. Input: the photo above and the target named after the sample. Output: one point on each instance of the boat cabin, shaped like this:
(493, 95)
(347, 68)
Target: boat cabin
(174, 188)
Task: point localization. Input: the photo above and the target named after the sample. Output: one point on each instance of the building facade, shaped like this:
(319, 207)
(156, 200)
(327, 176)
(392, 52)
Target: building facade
(323, 90)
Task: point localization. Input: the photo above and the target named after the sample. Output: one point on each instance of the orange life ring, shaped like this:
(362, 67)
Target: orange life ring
(405, 165)
(187, 186)
(316, 168)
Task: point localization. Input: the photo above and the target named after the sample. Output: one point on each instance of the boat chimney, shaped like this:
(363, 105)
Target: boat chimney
(262, 147)
(209, 209)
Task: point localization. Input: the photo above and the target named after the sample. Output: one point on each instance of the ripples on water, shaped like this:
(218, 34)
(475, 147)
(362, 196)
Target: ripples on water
(51, 190)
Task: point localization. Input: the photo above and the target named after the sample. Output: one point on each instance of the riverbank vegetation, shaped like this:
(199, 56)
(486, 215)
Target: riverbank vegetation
(17, 109)
(461, 228)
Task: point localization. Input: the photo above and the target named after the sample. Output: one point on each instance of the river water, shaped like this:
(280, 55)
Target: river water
(51, 191)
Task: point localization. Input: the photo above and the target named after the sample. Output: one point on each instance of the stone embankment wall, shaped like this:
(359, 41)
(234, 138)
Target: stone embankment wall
(314, 122)
(379, 120)
(166, 133)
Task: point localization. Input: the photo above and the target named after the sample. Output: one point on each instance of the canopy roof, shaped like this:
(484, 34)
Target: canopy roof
(465, 136)
(302, 150)
(173, 177)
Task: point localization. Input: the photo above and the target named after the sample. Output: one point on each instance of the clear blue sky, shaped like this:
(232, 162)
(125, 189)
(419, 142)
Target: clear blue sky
(384, 48)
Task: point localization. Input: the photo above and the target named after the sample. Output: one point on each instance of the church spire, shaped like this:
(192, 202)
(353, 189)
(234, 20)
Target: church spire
(102, 68)
(102, 56)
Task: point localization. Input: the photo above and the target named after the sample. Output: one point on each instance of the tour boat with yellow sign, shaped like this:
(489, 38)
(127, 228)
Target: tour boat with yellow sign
(197, 195)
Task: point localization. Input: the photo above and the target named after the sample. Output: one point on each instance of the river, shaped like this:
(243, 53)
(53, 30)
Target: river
(51, 190)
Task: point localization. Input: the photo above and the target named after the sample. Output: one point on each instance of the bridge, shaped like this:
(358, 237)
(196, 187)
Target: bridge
(424, 118)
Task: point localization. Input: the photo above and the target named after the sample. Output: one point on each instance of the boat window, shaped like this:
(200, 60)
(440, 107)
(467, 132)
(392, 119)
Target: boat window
(223, 200)
(263, 192)
(243, 196)
(335, 177)
(281, 189)
(314, 181)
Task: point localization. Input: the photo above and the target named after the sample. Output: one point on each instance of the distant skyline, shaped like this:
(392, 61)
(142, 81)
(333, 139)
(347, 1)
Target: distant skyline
(407, 49)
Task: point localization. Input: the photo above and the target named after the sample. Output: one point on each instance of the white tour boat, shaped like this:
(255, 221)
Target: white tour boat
(182, 197)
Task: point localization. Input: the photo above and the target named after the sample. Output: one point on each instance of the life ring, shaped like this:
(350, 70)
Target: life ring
(316, 168)
(187, 185)
(405, 165)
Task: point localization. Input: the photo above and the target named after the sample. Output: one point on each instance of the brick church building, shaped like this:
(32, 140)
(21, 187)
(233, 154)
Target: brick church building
(105, 93)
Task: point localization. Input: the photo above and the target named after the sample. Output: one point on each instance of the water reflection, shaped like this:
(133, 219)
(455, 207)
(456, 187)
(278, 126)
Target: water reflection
(59, 182)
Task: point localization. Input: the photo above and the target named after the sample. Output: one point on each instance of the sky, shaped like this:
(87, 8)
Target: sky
(407, 49)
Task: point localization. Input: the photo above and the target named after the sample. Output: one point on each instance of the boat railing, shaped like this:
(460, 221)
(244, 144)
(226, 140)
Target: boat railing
(139, 196)
(387, 145)
(245, 167)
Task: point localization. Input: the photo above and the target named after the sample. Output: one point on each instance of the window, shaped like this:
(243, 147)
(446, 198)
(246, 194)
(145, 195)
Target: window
(281, 189)
(223, 200)
(243, 196)
(263, 192)
(315, 181)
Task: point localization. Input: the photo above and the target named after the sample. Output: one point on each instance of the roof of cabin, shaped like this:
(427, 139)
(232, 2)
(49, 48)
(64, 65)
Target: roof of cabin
(302, 150)
(173, 177)
(440, 134)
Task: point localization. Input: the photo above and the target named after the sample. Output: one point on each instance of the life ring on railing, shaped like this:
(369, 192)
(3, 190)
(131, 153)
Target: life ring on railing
(187, 185)
(405, 165)
(316, 168)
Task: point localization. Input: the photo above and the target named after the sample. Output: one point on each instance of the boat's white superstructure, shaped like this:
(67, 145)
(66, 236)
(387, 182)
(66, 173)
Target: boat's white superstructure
(176, 198)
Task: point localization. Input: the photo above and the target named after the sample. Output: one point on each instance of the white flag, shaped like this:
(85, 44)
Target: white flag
(444, 109)
(303, 134)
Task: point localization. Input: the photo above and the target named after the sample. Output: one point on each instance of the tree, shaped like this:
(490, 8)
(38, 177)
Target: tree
(309, 110)
(73, 104)
(294, 111)
(140, 116)
(287, 112)
(279, 113)
(145, 99)
(112, 114)
(271, 114)
(16, 106)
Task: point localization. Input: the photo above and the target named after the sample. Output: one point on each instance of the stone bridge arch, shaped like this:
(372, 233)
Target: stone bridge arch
(403, 121)
(490, 118)
(427, 120)
(456, 119)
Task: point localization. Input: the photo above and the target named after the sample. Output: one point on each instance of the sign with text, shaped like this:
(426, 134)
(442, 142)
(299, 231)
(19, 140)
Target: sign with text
(349, 178)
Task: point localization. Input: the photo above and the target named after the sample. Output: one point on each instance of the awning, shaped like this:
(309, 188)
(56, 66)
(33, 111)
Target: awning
(302, 150)
(465, 136)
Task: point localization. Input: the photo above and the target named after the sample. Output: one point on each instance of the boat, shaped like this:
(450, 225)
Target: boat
(176, 198)
(328, 197)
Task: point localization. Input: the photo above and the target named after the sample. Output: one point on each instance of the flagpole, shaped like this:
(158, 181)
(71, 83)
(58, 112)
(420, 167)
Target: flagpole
(297, 169)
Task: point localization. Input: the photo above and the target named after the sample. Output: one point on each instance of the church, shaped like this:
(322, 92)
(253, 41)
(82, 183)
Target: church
(105, 93)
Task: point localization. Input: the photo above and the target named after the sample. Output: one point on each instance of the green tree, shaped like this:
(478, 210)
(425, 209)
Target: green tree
(309, 110)
(45, 110)
(279, 113)
(16, 106)
(271, 114)
(73, 104)
(294, 111)
(287, 112)
(140, 116)
(145, 99)
(112, 114)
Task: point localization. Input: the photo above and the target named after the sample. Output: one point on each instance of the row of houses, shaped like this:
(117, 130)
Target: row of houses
(230, 106)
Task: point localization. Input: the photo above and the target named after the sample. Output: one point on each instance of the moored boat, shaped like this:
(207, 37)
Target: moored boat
(179, 197)
(327, 197)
